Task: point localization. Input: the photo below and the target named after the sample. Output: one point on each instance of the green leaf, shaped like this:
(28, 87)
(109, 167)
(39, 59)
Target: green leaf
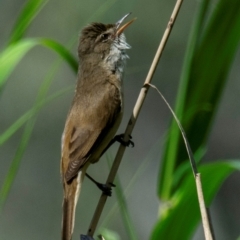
(15, 52)
(110, 235)
(5, 188)
(30, 10)
(184, 203)
(11, 57)
(62, 51)
(205, 72)
(31, 116)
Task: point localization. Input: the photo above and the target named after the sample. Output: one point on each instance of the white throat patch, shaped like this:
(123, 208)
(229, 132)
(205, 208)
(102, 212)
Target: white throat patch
(116, 59)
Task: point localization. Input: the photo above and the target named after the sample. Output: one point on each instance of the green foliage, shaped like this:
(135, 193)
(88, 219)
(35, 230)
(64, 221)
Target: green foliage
(211, 51)
(184, 203)
(204, 76)
(13, 54)
(9, 58)
(28, 13)
(110, 235)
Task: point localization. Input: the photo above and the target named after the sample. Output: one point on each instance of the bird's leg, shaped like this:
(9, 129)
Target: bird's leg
(119, 138)
(106, 189)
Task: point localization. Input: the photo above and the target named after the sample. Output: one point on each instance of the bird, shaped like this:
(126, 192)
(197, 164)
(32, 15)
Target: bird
(96, 110)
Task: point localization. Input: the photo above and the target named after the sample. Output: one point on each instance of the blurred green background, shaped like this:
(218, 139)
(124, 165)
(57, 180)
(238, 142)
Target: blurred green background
(33, 207)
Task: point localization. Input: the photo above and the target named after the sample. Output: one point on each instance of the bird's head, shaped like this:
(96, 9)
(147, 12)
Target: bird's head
(99, 38)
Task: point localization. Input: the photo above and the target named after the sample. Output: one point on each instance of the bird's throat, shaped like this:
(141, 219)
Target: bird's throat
(116, 59)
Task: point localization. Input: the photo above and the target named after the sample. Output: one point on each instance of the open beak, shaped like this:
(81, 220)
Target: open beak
(122, 28)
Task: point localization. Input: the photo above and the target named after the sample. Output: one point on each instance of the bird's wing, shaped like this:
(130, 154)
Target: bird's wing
(78, 150)
(87, 131)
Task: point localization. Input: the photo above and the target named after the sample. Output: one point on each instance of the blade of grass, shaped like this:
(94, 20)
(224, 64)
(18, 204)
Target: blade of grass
(210, 67)
(62, 51)
(108, 235)
(14, 53)
(165, 178)
(11, 56)
(205, 77)
(184, 204)
(16, 162)
(28, 13)
(26, 137)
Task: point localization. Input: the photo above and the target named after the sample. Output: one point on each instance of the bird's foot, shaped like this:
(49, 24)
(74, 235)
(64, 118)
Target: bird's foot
(106, 188)
(120, 137)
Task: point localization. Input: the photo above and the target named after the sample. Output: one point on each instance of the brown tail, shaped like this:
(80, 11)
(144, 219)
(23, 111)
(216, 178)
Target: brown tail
(71, 193)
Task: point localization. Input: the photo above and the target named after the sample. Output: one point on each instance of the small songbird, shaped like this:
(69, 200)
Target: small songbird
(96, 109)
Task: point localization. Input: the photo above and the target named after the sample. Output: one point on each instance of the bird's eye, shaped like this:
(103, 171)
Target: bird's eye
(104, 37)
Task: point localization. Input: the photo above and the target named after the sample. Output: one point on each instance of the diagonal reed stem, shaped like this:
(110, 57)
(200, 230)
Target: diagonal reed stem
(133, 118)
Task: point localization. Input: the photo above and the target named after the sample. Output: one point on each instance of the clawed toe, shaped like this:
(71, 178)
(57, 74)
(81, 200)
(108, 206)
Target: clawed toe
(120, 137)
(106, 189)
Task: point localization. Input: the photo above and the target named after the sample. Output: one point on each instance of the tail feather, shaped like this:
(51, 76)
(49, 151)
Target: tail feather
(67, 221)
(71, 194)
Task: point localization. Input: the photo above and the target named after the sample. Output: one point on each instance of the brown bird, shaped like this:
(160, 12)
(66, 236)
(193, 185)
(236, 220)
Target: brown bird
(96, 109)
